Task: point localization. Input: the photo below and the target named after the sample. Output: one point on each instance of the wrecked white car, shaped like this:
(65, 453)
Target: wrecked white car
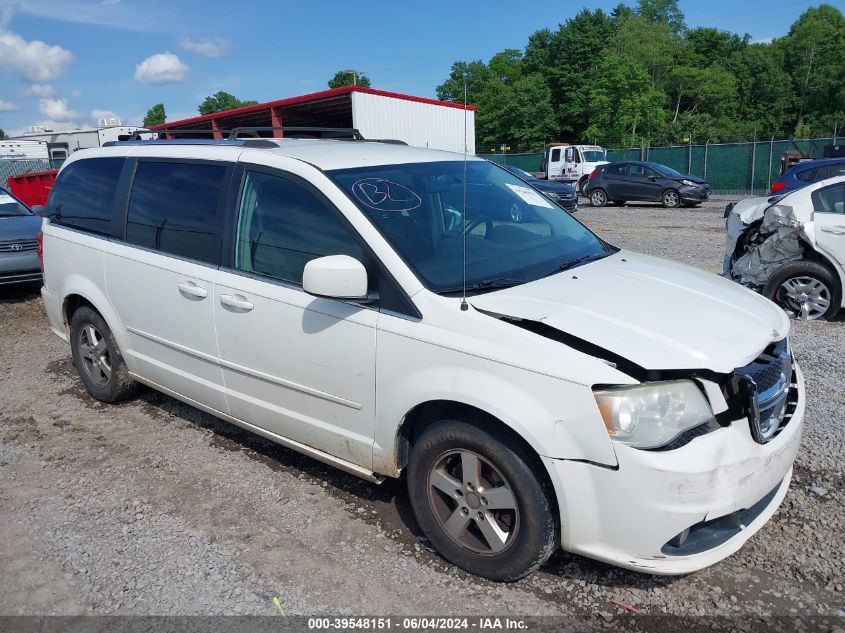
(791, 248)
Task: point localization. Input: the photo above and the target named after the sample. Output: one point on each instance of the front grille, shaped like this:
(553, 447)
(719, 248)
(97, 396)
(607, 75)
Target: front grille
(17, 246)
(771, 390)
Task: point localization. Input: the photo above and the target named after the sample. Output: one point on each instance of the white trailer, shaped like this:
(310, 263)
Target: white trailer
(23, 150)
(62, 143)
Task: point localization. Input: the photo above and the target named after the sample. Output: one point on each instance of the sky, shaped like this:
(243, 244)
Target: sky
(66, 63)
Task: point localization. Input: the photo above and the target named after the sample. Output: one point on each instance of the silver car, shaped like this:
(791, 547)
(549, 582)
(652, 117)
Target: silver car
(19, 227)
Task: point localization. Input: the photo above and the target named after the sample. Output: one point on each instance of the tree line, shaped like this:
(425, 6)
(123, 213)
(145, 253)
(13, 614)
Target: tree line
(638, 76)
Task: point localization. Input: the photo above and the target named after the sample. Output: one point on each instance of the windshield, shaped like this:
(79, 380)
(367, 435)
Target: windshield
(11, 207)
(663, 169)
(593, 156)
(513, 233)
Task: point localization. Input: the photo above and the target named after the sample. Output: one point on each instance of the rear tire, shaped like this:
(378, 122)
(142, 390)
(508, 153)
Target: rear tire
(598, 198)
(581, 184)
(806, 290)
(480, 503)
(98, 359)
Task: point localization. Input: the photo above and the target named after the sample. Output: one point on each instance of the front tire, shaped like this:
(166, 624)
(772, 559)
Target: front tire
(479, 502)
(97, 358)
(806, 290)
(671, 199)
(598, 198)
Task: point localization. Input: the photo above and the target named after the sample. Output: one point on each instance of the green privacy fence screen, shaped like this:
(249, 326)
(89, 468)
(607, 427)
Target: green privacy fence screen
(17, 167)
(731, 168)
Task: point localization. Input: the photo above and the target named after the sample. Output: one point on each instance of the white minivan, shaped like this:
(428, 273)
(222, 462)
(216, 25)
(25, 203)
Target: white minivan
(397, 311)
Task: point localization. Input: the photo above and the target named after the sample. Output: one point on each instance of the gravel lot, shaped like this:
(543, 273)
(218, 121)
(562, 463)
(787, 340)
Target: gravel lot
(152, 507)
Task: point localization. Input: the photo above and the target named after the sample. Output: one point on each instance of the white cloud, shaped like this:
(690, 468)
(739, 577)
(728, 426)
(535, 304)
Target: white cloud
(161, 68)
(7, 106)
(33, 60)
(209, 47)
(56, 109)
(43, 91)
(96, 115)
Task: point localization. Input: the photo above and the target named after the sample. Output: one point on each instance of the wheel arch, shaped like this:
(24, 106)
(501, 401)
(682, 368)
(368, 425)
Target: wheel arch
(424, 414)
(80, 291)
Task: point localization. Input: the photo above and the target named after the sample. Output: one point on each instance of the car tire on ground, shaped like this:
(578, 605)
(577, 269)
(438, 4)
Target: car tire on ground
(671, 199)
(806, 290)
(98, 359)
(598, 198)
(581, 184)
(479, 501)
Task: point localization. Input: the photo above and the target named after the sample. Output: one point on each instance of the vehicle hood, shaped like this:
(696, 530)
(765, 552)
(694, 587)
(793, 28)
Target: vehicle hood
(20, 227)
(694, 179)
(556, 187)
(653, 312)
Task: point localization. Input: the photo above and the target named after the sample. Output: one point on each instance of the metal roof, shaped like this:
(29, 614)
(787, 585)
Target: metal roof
(327, 104)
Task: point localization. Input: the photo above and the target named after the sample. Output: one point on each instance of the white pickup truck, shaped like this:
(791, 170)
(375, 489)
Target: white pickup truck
(572, 163)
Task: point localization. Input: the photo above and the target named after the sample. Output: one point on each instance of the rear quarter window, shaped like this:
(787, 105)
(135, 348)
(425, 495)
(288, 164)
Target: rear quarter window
(175, 208)
(84, 194)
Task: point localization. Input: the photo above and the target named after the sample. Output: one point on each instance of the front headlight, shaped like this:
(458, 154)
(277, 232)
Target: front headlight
(689, 183)
(652, 414)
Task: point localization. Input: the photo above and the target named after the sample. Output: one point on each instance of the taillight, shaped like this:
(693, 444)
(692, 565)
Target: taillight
(39, 240)
(779, 184)
(594, 174)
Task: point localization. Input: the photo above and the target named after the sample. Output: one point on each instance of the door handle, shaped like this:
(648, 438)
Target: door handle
(835, 230)
(190, 288)
(236, 301)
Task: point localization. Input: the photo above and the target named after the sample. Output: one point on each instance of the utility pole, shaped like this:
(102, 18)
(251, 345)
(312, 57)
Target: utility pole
(355, 74)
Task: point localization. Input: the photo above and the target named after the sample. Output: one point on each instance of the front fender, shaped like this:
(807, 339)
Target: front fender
(556, 418)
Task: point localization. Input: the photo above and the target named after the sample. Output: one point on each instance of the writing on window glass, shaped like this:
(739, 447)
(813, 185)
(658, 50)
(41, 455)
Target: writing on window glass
(385, 195)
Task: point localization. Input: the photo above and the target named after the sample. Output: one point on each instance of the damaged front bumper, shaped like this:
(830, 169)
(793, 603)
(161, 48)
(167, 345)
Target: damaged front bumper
(677, 511)
(761, 237)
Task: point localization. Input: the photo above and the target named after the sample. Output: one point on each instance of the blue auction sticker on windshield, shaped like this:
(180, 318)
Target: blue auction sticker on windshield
(385, 195)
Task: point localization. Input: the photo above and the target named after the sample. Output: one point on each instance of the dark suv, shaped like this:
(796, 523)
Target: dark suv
(809, 172)
(645, 182)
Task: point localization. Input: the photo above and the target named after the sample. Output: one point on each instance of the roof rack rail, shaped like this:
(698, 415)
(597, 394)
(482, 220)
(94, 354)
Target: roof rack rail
(252, 132)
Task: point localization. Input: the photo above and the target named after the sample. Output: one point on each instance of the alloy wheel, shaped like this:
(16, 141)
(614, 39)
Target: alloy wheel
(671, 198)
(598, 199)
(807, 297)
(472, 502)
(94, 352)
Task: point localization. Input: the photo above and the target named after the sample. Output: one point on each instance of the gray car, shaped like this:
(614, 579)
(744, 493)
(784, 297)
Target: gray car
(19, 227)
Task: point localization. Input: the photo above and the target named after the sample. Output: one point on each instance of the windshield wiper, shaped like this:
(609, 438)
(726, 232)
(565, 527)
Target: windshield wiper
(572, 263)
(496, 283)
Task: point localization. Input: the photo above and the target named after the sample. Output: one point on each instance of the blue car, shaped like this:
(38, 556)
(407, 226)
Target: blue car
(565, 195)
(809, 172)
(19, 228)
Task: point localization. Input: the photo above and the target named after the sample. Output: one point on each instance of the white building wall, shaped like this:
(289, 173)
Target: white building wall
(418, 124)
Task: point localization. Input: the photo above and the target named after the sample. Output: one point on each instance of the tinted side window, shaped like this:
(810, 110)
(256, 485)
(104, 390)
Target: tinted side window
(830, 199)
(556, 155)
(615, 170)
(84, 193)
(173, 207)
(283, 225)
(808, 175)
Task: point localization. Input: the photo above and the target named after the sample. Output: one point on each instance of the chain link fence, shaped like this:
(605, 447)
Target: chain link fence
(731, 168)
(15, 167)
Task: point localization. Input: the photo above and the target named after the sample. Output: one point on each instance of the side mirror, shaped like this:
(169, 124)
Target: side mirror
(39, 209)
(336, 277)
(652, 178)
